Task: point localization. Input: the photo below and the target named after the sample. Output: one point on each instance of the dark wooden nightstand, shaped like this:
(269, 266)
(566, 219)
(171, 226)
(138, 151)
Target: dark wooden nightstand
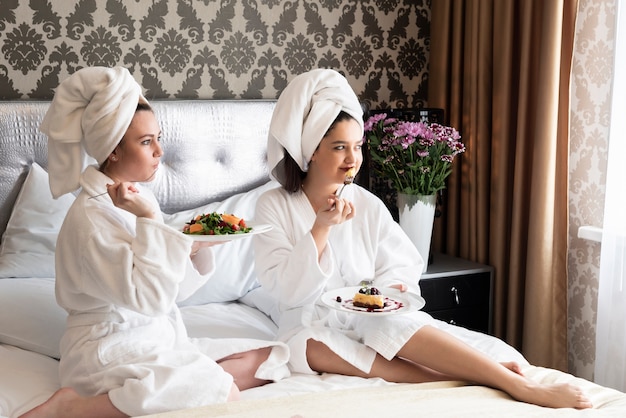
(459, 291)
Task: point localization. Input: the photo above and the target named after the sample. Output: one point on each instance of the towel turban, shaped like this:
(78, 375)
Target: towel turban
(304, 111)
(89, 114)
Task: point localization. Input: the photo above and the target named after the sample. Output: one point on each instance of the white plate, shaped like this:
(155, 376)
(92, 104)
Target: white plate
(256, 229)
(396, 302)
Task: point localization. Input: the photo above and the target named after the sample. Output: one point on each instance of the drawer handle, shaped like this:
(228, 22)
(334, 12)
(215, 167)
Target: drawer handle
(456, 294)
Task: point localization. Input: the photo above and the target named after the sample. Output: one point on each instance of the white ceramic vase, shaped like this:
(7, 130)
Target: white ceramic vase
(417, 215)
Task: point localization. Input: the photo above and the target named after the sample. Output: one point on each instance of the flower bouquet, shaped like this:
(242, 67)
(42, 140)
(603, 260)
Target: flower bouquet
(416, 156)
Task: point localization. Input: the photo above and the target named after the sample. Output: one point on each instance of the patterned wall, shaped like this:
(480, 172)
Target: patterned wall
(219, 49)
(591, 94)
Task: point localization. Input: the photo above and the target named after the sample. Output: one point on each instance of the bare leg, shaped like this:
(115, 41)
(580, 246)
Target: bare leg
(243, 366)
(66, 403)
(440, 351)
(322, 359)
(433, 355)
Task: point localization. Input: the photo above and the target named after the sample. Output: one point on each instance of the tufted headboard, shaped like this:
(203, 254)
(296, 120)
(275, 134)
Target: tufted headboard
(212, 149)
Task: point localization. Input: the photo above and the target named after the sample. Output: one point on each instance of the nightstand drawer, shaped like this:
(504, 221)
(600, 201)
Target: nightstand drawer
(474, 318)
(469, 290)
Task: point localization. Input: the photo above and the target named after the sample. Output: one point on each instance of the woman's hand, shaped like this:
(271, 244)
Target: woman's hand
(198, 245)
(126, 196)
(401, 287)
(337, 211)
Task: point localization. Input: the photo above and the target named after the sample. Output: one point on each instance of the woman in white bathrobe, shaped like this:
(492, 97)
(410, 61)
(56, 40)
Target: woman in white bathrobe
(121, 270)
(322, 242)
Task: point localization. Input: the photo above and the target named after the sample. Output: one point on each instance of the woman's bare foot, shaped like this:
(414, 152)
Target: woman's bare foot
(54, 406)
(557, 395)
(66, 403)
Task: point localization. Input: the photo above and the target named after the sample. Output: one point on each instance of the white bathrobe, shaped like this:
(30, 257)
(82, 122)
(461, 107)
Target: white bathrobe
(119, 278)
(369, 246)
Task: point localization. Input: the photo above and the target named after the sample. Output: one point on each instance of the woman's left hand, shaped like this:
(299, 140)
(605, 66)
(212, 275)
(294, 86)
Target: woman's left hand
(400, 286)
(198, 245)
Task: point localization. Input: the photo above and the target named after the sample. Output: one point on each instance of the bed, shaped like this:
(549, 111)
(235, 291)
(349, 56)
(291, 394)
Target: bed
(214, 160)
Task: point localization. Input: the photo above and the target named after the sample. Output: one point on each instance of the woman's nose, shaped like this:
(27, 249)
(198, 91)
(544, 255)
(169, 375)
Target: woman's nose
(353, 155)
(159, 150)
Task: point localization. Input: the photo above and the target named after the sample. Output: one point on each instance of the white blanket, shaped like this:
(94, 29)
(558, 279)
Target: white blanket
(29, 378)
(440, 399)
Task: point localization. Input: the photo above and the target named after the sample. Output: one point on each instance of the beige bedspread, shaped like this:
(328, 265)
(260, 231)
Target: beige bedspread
(441, 399)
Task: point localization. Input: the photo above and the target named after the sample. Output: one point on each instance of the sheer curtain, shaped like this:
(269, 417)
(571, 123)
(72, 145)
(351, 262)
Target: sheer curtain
(610, 365)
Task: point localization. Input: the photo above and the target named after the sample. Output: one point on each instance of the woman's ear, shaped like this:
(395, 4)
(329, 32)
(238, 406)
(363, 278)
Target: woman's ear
(114, 156)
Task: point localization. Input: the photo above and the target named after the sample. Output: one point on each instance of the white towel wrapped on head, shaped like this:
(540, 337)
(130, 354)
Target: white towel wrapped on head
(304, 111)
(89, 114)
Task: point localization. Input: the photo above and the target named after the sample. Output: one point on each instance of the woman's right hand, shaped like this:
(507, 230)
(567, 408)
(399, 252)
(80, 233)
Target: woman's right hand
(336, 212)
(126, 196)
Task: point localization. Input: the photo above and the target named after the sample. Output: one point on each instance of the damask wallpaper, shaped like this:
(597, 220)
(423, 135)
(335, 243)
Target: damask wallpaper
(592, 71)
(219, 49)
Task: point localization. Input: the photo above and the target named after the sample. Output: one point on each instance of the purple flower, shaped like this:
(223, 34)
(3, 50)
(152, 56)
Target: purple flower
(427, 142)
(406, 141)
(373, 120)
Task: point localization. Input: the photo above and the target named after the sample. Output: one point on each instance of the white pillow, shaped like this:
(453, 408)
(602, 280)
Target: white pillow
(29, 315)
(234, 274)
(29, 240)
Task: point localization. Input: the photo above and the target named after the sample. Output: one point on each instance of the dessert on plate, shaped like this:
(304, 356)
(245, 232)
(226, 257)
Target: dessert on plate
(369, 297)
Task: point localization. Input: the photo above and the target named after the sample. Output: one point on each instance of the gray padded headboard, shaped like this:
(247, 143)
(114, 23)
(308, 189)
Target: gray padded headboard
(213, 149)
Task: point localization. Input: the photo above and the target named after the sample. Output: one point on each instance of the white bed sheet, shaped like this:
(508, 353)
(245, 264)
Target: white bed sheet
(28, 378)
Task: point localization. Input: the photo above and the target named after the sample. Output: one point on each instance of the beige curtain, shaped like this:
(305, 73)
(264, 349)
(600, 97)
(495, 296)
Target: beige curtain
(500, 69)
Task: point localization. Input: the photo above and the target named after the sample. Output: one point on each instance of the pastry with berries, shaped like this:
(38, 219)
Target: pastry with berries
(369, 297)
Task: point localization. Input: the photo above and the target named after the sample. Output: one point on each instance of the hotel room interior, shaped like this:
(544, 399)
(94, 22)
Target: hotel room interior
(531, 209)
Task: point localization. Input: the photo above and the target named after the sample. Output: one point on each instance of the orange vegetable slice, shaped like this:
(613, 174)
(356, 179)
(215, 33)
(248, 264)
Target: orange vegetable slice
(231, 219)
(194, 228)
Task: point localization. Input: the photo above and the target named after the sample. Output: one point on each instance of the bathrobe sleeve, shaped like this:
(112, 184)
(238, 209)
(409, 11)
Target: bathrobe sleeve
(197, 273)
(148, 269)
(286, 256)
